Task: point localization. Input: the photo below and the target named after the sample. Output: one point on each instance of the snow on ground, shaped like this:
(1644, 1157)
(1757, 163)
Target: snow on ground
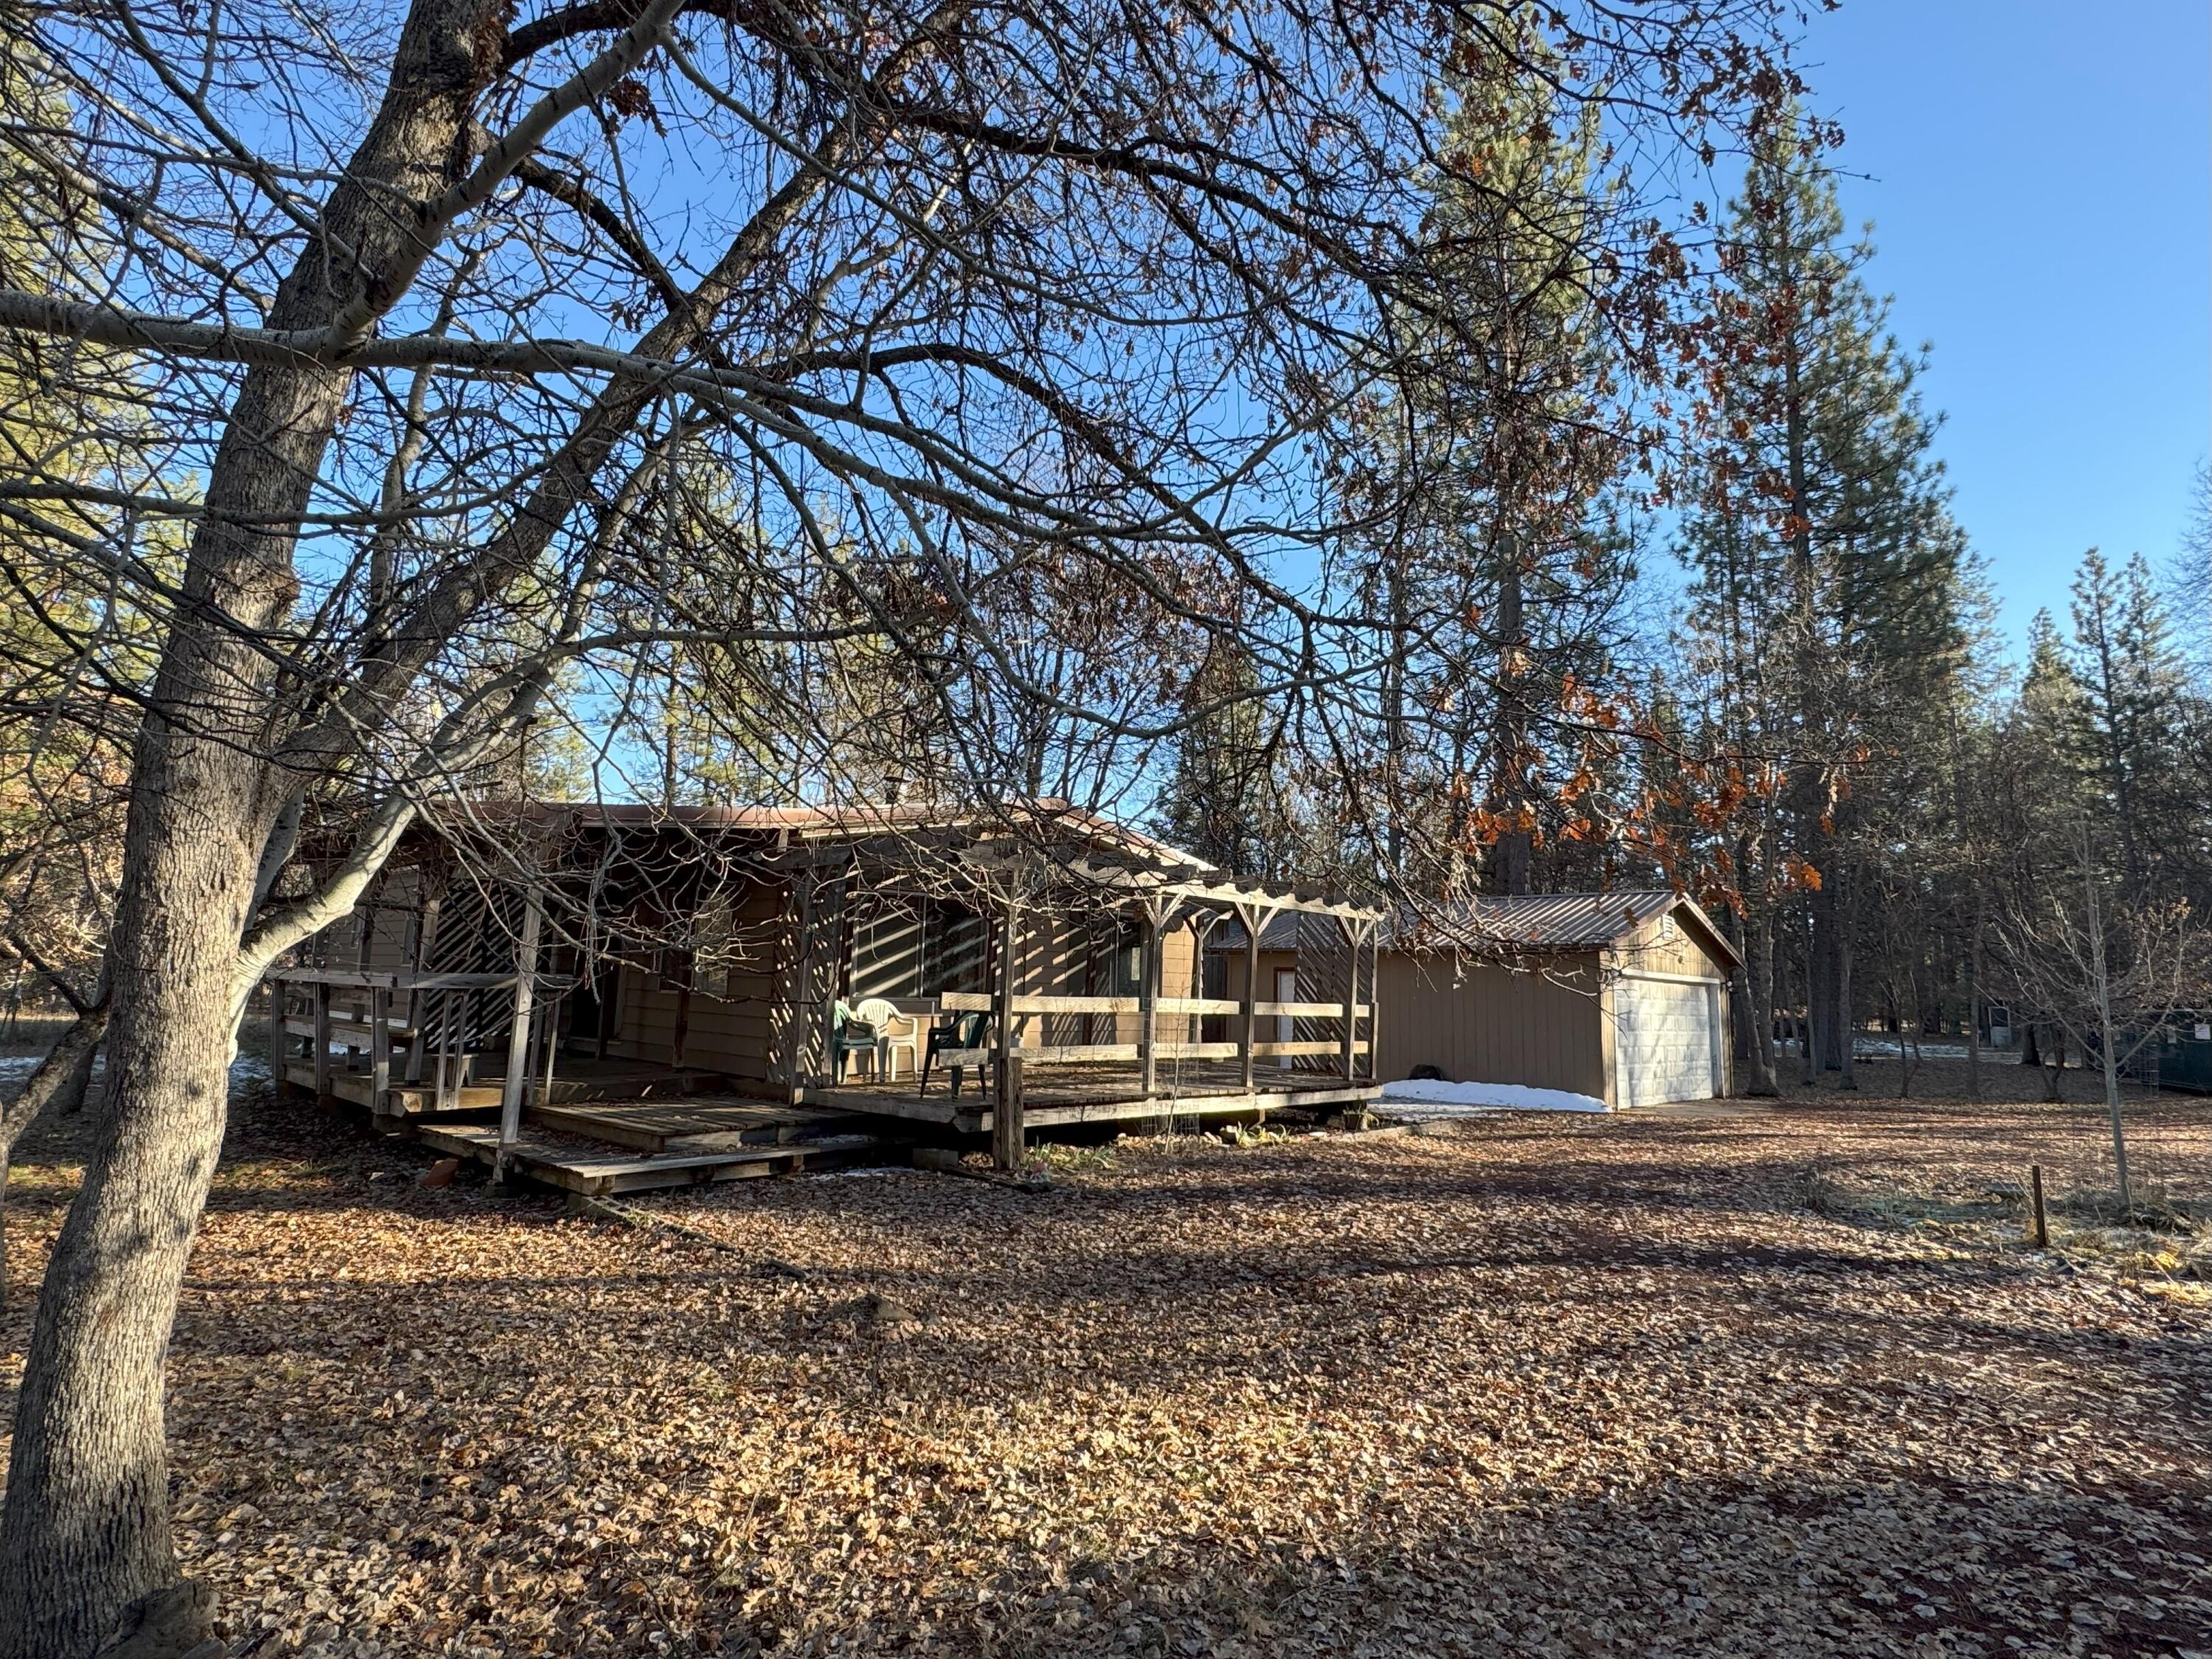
(17, 1068)
(1426, 1100)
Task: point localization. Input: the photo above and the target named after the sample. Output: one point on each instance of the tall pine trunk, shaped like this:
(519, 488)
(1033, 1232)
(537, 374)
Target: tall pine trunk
(1755, 983)
(1841, 1022)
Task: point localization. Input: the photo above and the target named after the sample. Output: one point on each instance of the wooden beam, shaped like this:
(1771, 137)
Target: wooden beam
(322, 1041)
(279, 1041)
(426, 939)
(1253, 918)
(1148, 993)
(1350, 1059)
(518, 1036)
(380, 1048)
(1374, 996)
(1008, 1132)
(974, 1002)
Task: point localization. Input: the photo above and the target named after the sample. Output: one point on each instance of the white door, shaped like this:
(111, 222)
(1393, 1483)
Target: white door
(1286, 990)
(1666, 1040)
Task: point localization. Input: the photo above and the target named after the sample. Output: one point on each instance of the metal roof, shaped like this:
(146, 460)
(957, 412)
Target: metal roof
(1518, 922)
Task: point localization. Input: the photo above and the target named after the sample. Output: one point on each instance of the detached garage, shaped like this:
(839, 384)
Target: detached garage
(1623, 996)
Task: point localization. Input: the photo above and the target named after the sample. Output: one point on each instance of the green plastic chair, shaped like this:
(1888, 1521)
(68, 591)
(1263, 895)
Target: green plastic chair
(850, 1035)
(956, 1032)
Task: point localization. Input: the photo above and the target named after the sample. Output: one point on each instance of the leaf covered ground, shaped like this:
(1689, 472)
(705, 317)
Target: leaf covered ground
(1786, 1382)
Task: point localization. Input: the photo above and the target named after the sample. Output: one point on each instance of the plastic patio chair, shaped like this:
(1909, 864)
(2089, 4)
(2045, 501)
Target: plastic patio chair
(849, 1035)
(955, 1032)
(894, 1030)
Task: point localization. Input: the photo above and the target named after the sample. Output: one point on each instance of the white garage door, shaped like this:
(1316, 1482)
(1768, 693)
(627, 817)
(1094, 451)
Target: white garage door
(1664, 1047)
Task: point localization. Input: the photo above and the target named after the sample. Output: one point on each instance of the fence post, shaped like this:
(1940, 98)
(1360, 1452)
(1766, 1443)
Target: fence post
(1009, 1133)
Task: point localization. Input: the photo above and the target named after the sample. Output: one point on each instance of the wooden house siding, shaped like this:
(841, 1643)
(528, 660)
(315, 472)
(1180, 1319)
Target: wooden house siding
(1537, 1027)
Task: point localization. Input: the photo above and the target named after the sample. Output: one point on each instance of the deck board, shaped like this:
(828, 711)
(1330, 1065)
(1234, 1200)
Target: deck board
(1061, 1096)
(580, 1168)
(657, 1126)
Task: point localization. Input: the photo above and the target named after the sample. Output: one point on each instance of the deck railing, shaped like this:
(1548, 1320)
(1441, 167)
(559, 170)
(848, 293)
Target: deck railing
(1148, 1011)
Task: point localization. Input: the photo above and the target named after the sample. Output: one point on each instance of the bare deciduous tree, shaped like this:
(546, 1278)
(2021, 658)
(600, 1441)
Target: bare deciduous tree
(2111, 977)
(470, 375)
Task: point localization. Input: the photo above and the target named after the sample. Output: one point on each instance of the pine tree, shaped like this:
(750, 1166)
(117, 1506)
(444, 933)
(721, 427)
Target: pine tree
(1830, 577)
(1499, 570)
(2132, 711)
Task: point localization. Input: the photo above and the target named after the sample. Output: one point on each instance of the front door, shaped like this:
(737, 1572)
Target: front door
(1286, 990)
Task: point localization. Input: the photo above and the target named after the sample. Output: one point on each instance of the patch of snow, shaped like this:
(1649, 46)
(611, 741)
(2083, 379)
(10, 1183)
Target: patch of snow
(17, 1068)
(869, 1173)
(1427, 1100)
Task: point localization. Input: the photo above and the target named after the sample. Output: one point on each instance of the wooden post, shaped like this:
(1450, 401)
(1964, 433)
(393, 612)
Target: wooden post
(322, 1041)
(418, 1009)
(1374, 996)
(279, 1040)
(1351, 999)
(1009, 1133)
(1253, 919)
(552, 1040)
(2035, 1201)
(682, 1031)
(380, 1048)
(1148, 977)
(518, 1036)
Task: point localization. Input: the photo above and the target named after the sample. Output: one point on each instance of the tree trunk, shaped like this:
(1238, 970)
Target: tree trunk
(86, 1530)
(1515, 851)
(1754, 978)
(85, 1533)
(1842, 1023)
(1808, 1047)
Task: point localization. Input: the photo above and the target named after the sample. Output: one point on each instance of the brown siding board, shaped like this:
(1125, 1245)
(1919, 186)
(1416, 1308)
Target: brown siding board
(1482, 1023)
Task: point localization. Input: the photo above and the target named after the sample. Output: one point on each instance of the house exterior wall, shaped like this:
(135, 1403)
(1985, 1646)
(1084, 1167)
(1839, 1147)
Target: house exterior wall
(1548, 1028)
(1683, 952)
(731, 1023)
(1483, 1023)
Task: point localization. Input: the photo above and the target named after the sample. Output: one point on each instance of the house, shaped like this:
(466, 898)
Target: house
(637, 975)
(1623, 996)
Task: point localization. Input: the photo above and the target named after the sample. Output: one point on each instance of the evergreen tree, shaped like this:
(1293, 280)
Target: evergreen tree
(1501, 575)
(1831, 583)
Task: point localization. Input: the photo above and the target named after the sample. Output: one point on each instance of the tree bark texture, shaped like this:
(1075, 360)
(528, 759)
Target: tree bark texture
(1754, 977)
(85, 1533)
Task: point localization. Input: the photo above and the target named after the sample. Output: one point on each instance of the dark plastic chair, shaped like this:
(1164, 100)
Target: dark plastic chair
(958, 1031)
(849, 1037)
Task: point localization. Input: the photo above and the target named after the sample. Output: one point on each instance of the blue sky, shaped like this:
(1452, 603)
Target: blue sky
(2037, 173)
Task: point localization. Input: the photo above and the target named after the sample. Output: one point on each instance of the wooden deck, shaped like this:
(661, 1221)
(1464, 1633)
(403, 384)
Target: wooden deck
(1057, 1096)
(627, 1146)
(574, 1080)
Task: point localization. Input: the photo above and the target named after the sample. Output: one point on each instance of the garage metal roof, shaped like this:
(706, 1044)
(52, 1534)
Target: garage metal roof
(1526, 922)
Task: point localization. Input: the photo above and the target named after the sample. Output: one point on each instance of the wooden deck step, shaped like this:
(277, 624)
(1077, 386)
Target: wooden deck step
(693, 1124)
(582, 1169)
